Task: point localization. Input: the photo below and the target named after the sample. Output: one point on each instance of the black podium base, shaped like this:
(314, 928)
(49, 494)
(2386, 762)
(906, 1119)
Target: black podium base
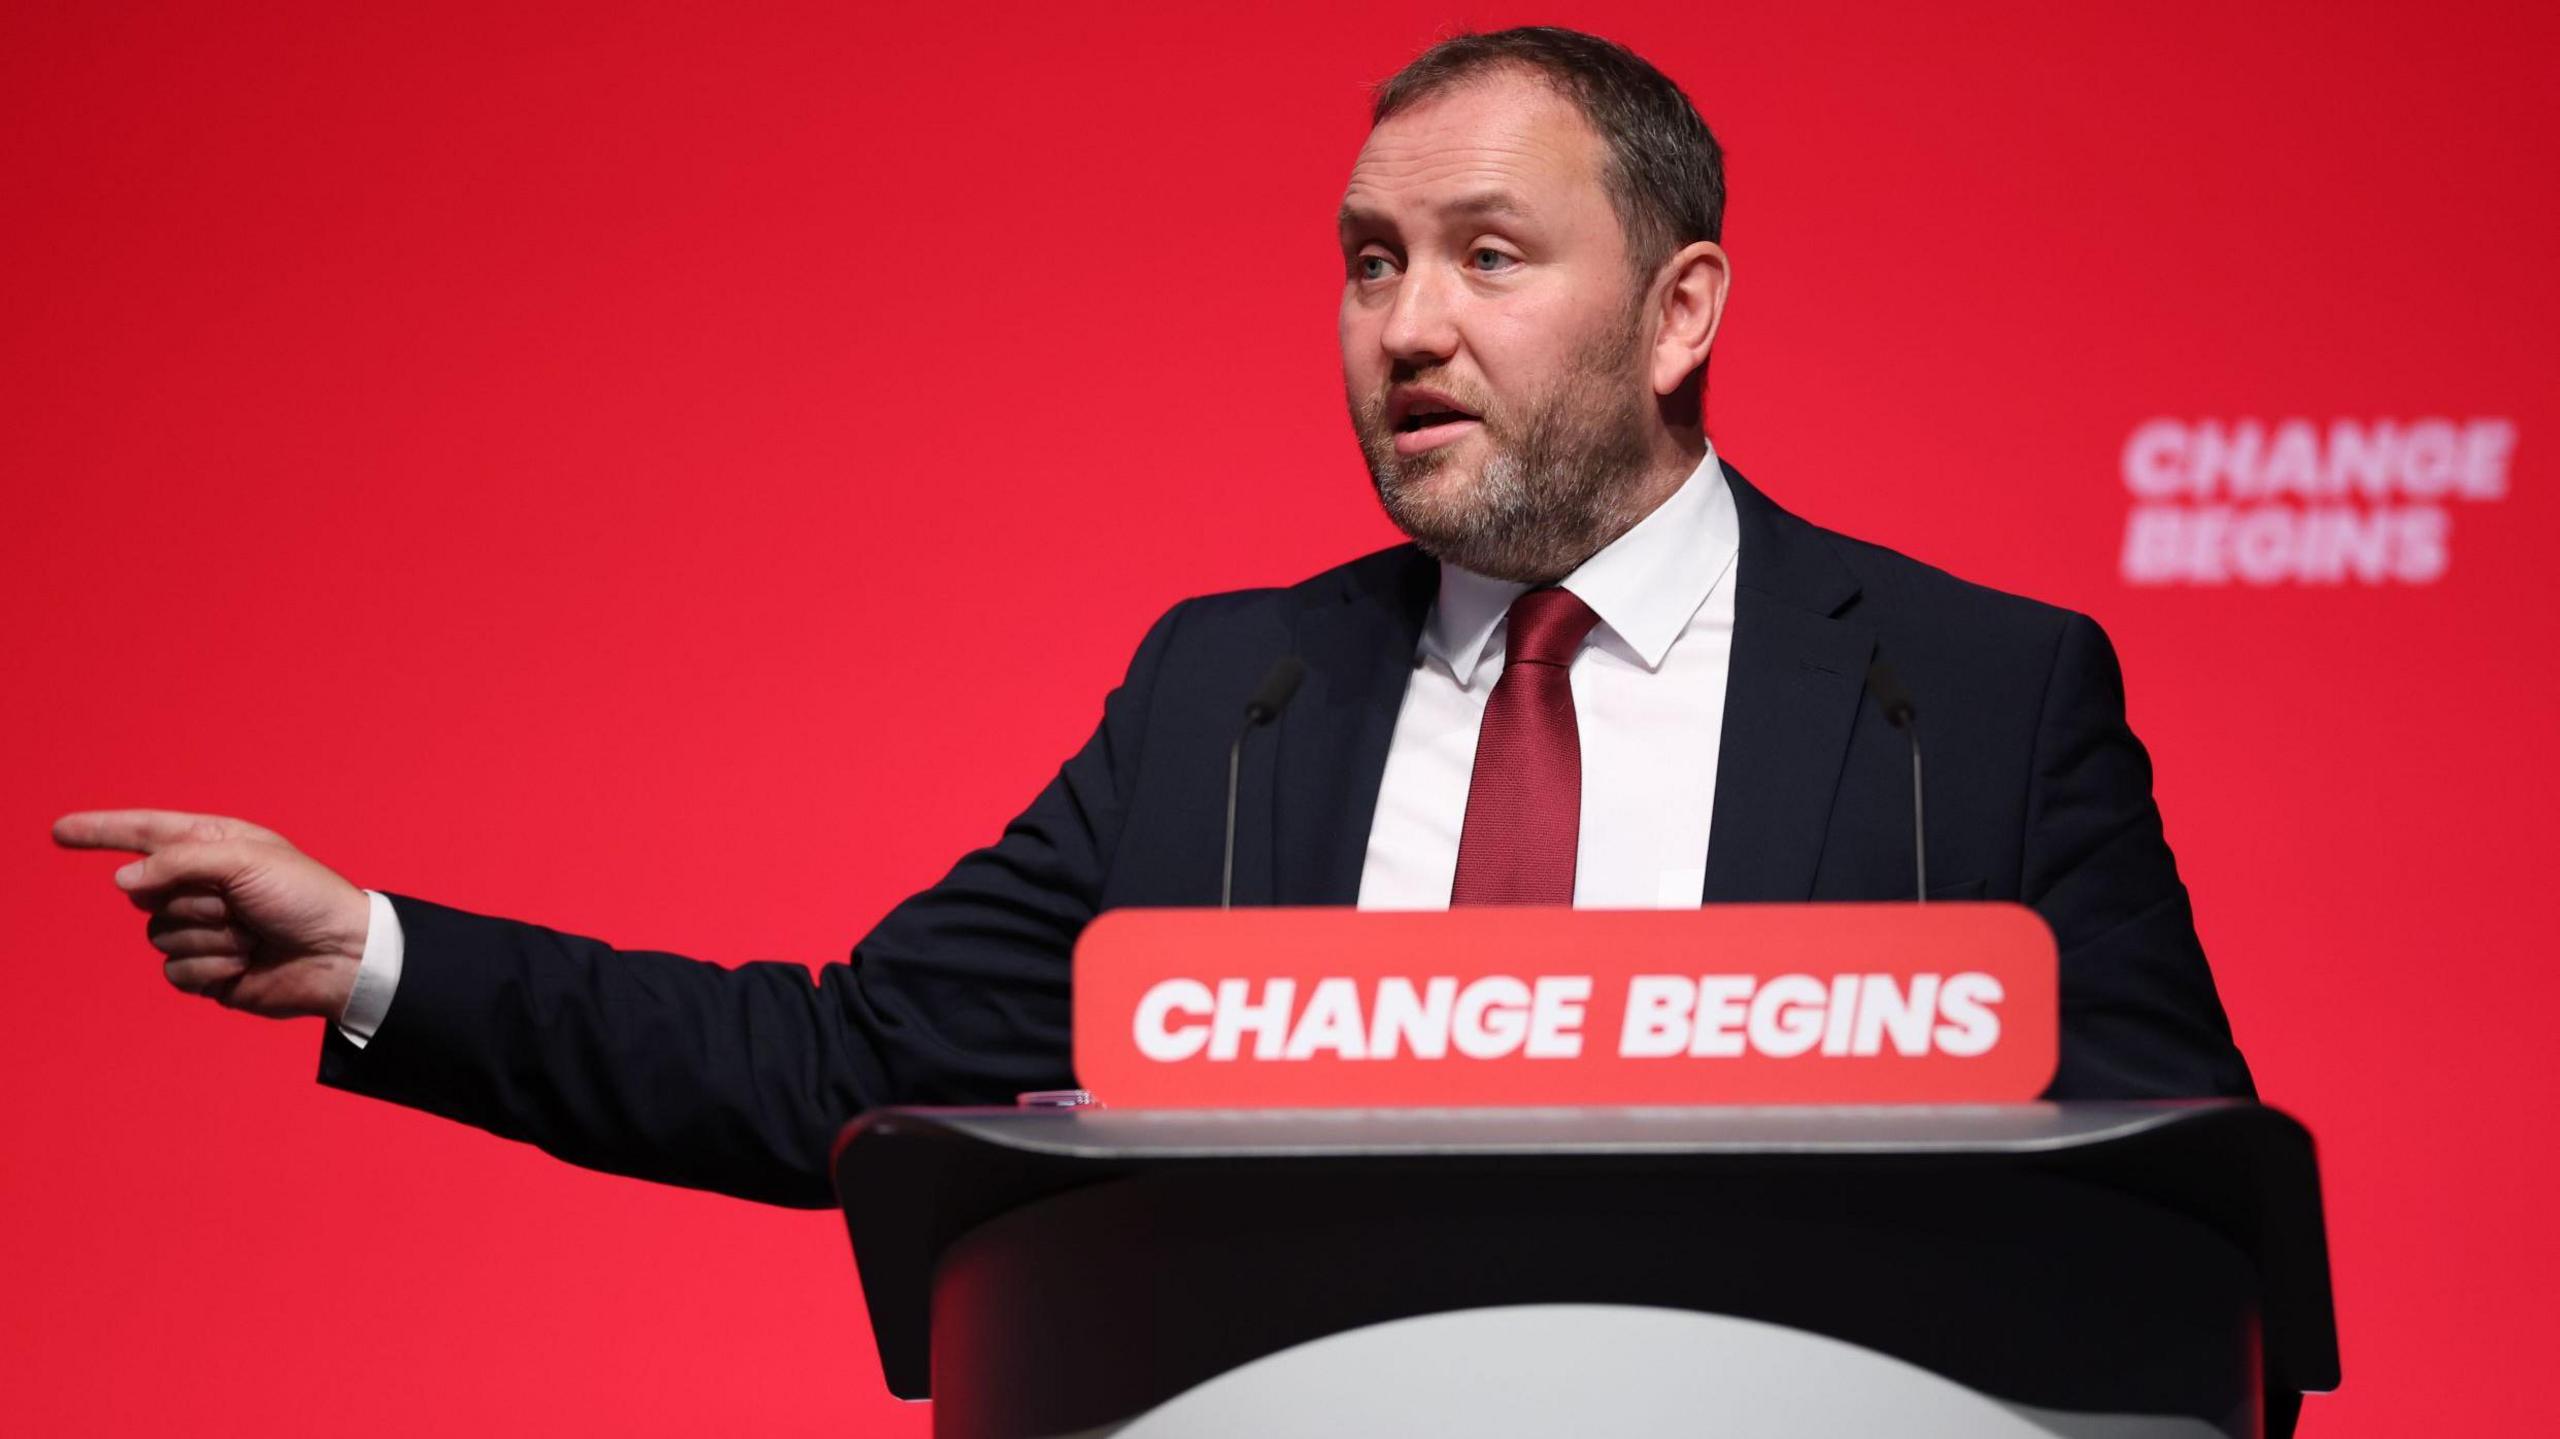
(1081, 1269)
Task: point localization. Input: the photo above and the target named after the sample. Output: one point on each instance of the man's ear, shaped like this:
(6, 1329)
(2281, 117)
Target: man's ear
(1692, 307)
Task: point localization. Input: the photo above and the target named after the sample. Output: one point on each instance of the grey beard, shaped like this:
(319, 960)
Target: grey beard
(1550, 497)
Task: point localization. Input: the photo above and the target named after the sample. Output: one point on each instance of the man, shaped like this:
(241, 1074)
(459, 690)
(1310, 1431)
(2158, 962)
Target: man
(1608, 671)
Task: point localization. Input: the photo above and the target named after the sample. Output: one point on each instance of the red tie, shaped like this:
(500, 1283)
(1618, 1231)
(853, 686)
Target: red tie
(1524, 805)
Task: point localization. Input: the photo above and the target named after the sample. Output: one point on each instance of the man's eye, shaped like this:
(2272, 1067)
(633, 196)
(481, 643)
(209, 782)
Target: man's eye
(1371, 267)
(1486, 257)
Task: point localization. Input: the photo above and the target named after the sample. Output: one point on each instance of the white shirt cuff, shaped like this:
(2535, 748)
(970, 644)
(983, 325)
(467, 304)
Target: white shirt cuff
(377, 974)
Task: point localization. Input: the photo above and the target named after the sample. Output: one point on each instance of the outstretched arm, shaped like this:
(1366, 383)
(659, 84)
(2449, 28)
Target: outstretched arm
(652, 1064)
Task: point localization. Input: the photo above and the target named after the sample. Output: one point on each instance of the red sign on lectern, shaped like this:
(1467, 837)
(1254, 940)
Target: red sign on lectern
(1730, 1004)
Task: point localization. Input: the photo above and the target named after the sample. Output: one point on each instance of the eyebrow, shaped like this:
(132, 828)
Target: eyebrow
(1479, 203)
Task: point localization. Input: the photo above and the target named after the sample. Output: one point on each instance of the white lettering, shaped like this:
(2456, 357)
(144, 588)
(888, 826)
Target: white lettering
(2262, 544)
(2300, 501)
(2153, 459)
(1405, 1020)
(1492, 1017)
(1967, 1026)
(2225, 460)
(1500, 1016)
(1657, 1021)
(1267, 1022)
(2275, 543)
(2486, 444)
(1331, 1021)
(1884, 1008)
(2293, 462)
(2423, 550)
(1786, 1015)
(2360, 458)
(1842, 1010)
(1157, 1038)
(2429, 451)
(1555, 1016)
(1722, 1001)
(2153, 537)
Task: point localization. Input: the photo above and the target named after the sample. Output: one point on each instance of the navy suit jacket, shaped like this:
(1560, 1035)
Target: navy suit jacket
(738, 1079)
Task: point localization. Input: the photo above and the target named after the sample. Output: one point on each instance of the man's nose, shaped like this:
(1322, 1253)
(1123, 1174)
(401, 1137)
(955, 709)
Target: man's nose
(1421, 319)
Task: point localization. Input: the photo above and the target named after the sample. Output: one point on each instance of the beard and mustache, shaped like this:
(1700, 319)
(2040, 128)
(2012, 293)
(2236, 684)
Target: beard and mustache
(1559, 478)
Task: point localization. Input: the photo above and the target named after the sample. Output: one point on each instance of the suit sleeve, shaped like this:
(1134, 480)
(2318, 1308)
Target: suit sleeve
(2140, 1018)
(738, 1079)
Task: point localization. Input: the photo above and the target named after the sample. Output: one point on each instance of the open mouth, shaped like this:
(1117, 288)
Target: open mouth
(1424, 419)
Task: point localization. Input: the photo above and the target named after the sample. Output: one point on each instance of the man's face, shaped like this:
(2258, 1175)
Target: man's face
(1493, 344)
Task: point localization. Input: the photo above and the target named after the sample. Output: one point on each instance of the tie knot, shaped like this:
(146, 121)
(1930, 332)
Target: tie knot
(1547, 627)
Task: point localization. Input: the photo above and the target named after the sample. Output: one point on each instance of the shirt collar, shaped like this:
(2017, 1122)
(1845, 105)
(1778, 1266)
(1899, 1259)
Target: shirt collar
(1645, 585)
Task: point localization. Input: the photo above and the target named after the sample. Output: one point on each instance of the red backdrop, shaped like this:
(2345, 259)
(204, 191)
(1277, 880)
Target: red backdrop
(685, 473)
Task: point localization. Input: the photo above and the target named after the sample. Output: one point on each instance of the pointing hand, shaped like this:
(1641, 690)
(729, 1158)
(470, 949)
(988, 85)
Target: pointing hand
(242, 916)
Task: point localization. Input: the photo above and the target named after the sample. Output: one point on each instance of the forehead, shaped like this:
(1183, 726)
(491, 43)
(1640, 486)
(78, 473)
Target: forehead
(1505, 133)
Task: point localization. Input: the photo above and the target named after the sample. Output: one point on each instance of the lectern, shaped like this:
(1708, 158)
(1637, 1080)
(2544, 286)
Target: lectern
(2013, 1269)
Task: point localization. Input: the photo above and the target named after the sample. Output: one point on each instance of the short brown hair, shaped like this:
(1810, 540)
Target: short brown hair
(1665, 172)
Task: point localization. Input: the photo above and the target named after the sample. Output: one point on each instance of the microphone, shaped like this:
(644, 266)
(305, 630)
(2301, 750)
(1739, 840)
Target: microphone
(1265, 706)
(1895, 702)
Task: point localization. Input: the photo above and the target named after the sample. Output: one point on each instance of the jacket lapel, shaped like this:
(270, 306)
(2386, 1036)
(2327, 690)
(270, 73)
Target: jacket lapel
(1795, 681)
(1792, 691)
(1331, 749)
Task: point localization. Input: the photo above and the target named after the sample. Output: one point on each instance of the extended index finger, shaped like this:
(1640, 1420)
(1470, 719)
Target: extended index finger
(139, 830)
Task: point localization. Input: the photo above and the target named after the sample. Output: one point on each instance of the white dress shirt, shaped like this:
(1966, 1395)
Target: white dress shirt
(1648, 698)
(377, 974)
